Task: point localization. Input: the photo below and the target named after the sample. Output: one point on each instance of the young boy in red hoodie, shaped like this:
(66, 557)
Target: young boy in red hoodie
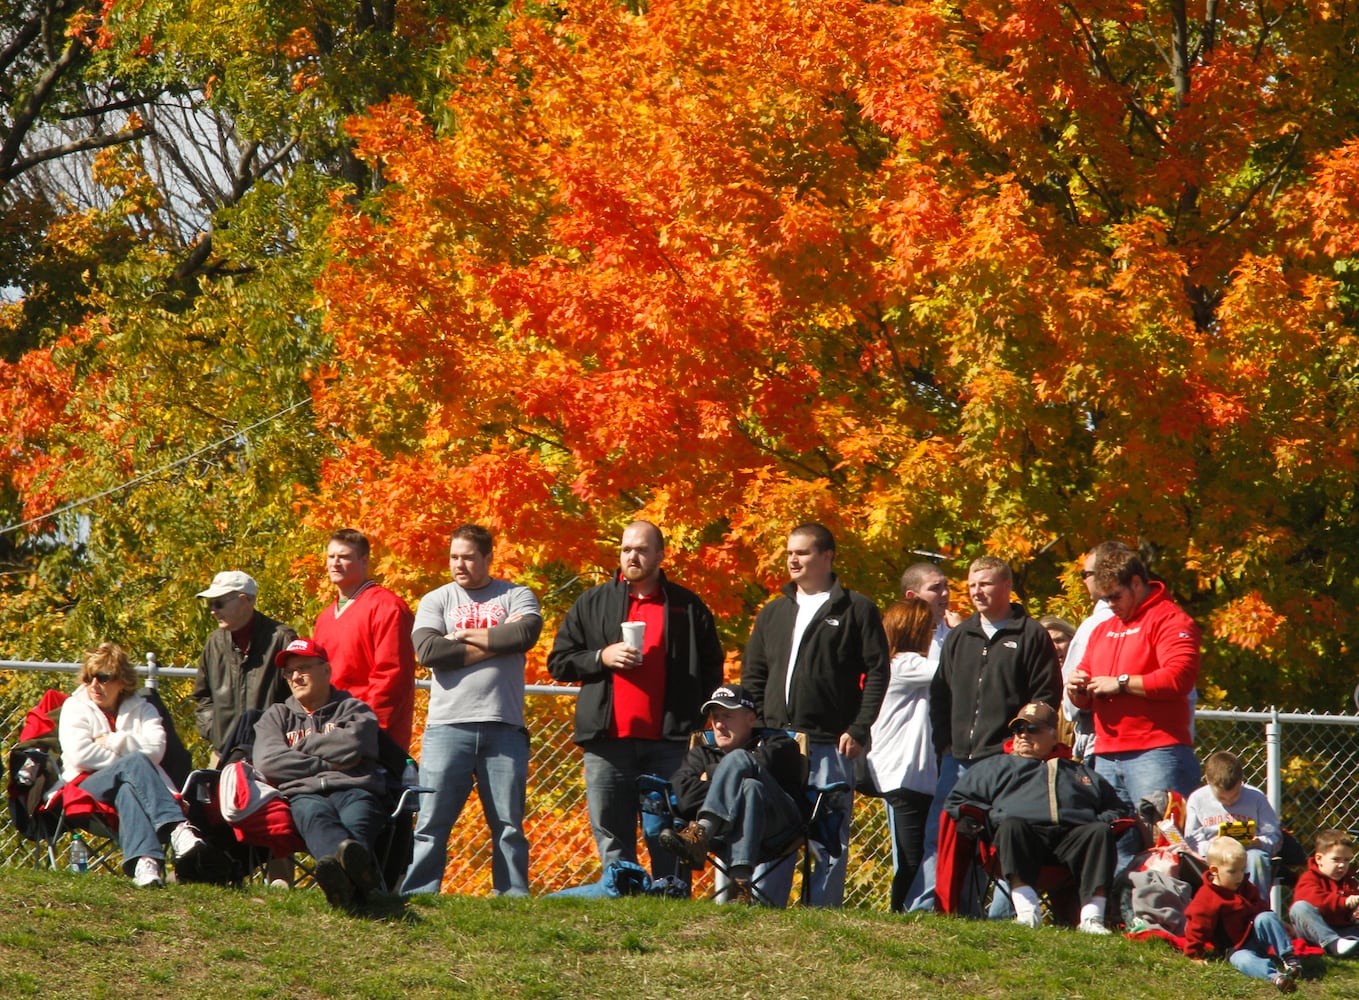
(1228, 917)
(1327, 896)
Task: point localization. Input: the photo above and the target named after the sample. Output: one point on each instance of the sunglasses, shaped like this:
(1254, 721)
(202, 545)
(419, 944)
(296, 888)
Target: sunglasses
(218, 603)
(1025, 729)
(103, 678)
(291, 669)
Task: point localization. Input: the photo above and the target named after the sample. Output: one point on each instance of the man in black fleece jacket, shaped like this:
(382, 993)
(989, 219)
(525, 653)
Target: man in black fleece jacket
(817, 663)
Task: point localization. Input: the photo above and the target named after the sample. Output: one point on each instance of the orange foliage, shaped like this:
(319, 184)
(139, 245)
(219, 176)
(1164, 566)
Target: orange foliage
(961, 279)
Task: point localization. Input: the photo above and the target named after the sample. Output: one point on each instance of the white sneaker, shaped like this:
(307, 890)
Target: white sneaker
(1034, 918)
(184, 841)
(1092, 926)
(1342, 946)
(147, 874)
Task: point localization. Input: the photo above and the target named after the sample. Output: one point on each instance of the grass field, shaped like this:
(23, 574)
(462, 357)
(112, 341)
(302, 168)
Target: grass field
(98, 936)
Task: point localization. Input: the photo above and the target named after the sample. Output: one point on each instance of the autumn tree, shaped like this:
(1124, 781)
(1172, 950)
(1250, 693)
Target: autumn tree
(997, 277)
(161, 323)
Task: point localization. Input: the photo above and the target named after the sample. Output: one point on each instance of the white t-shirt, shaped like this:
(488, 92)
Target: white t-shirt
(808, 606)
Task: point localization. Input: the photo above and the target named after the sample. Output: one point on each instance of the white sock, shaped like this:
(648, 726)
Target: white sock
(1093, 910)
(1025, 900)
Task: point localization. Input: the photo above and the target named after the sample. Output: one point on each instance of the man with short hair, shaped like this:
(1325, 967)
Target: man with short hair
(637, 704)
(744, 793)
(472, 634)
(236, 671)
(1136, 678)
(1083, 726)
(320, 749)
(927, 581)
(817, 663)
(367, 631)
(1043, 809)
(993, 664)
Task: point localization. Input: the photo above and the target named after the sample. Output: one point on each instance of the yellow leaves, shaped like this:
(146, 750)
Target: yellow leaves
(1248, 622)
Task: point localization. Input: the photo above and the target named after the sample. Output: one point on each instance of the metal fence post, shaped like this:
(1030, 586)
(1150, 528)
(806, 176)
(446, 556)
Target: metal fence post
(151, 671)
(1274, 788)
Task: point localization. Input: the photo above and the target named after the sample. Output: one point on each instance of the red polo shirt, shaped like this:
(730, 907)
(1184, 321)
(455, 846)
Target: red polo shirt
(639, 694)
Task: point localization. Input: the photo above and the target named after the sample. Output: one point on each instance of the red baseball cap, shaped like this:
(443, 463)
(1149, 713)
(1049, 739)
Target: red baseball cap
(300, 647)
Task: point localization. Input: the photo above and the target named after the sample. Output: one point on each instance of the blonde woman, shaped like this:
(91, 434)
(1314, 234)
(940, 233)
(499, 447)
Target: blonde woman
(112, 742)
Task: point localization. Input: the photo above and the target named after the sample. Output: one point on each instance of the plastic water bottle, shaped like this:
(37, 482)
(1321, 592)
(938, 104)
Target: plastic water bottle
(80, 855)
(410, 777)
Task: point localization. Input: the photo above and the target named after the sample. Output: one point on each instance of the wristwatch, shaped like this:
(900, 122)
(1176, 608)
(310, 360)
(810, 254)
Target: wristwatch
(1123, 683)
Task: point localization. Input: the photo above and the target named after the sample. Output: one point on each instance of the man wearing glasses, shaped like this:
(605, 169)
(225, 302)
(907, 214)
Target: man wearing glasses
(1041, 808)
(236, 671)
(1083, 726)
(1137, 678)
(320, 749)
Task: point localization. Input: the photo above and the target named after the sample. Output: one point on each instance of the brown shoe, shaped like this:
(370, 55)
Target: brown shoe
(741, 892)
(691, 843)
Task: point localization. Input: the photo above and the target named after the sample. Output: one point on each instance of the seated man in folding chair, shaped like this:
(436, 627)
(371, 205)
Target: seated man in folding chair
(1042, 808)
(320, 749)
(744, 793)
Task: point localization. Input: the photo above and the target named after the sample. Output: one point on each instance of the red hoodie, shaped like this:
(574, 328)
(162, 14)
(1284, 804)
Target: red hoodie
(1219, 920)
(1327, 895)
(1160, 643)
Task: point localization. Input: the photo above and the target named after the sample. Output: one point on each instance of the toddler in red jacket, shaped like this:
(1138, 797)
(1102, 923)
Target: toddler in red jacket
(1228, 917)
(1327, 896)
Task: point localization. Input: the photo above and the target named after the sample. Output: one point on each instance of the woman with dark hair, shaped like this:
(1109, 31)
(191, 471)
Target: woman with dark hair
(112, 742)
(901, 756)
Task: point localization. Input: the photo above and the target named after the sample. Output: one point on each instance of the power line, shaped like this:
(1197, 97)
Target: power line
(155, 472)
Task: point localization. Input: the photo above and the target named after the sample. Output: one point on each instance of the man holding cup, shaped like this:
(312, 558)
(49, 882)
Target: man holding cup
(645, 653)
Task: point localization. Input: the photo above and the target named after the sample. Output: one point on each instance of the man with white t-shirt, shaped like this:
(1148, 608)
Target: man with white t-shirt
(817, 663)
(472, 633)
(1083, 726)
(927, 581)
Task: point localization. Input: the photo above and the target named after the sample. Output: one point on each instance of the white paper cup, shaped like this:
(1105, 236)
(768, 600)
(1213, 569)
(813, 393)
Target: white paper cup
(634, 633)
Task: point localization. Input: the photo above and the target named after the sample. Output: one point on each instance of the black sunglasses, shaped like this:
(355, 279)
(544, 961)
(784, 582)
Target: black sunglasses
(218, 603)
(1025, 729)
(103, 678)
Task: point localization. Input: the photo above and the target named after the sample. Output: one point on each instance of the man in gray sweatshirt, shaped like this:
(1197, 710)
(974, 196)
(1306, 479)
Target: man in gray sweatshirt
(472, 634)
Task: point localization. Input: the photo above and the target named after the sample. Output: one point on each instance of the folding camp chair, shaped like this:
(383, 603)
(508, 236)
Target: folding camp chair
(43, 806)
(968, 871)
(825, 813)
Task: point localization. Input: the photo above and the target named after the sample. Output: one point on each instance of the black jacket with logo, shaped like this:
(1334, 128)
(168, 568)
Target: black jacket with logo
(841, 672)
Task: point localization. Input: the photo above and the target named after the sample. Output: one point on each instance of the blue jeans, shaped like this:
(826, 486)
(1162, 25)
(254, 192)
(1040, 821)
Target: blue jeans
(496, 756)
(1266, 932)
(612, 767)
(1138, 773)
(827, 888)
(920, 897)
(325, 820)
(756, 817)
(133, 785)
(1310, 925)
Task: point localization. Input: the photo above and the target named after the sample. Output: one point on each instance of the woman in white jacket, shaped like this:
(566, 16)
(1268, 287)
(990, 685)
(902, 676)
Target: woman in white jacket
(112, 742)
(901, 756)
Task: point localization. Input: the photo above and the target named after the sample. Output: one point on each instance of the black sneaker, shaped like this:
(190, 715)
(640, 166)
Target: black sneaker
(357, 863)
(331, 877)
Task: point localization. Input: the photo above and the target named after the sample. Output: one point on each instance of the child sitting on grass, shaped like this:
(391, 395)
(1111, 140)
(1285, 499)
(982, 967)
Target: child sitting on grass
(1327, 896)
(1228, 917)
(1227, 806)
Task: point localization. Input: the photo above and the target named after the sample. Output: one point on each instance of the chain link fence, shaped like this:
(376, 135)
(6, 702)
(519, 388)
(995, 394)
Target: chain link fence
(1315, 760)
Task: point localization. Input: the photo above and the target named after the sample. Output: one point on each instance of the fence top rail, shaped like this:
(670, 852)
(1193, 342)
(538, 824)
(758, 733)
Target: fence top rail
(1213, 714)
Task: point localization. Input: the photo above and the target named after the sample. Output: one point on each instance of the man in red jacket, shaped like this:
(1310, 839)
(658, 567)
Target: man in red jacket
(1135, 677)
(367, 632)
